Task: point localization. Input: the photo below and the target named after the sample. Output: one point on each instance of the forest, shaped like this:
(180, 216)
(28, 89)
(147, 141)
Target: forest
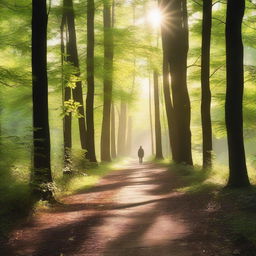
(127, 127)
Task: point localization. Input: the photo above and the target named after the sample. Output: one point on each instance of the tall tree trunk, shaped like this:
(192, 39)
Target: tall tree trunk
(66, 95)
(166, 141)
(41, 134)
(91, 155)
(121, 147)
(158, 133)
(113, 132)
(129, 137)
(175, 46)
(238, 176)
(107, 83)
(205, 84)
(73, 55)
(113, 115)
(169, 106)
(150, 116)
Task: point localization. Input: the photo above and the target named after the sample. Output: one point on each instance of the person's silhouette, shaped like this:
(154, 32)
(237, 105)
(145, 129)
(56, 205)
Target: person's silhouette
(141, 154)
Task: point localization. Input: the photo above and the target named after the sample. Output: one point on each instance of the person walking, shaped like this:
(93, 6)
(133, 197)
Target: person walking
(141, 154)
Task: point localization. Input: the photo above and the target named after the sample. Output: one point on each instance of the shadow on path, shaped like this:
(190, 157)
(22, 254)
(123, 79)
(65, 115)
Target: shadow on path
(136, 211)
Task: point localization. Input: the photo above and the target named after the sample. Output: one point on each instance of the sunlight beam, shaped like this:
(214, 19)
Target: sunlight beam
(155, 17)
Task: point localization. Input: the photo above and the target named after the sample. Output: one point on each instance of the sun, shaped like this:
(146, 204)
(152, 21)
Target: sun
(155, 17)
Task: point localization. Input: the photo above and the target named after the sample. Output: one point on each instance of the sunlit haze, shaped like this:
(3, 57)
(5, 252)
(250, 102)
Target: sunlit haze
(155, 17)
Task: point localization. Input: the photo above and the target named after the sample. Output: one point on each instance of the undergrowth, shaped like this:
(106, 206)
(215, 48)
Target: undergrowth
(84, 179)
(16, 201)
(236, 207)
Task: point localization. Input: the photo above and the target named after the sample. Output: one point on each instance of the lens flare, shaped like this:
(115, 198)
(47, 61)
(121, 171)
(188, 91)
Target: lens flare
(155, 17)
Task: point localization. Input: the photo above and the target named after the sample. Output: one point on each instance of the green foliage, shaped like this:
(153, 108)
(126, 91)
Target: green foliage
(83, 179)
(137, 51)
(72, 106)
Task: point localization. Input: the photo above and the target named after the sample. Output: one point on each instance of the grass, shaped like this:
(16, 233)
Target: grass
(85, 179)
(237, 207)
(16, 202)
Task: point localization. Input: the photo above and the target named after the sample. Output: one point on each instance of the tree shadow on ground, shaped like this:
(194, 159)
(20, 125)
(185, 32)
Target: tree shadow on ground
(237, 209)
(157, 219)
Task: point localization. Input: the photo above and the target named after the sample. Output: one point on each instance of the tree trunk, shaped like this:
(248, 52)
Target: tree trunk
(158, 134)
(121, 147)
(73, 55)
(168, 106)
(66, 95)
(166, 141)
(41, 134)
(238, 176)
(205, 84)
(175, 46)
(91, 155)
(113, 132)
(150, 116)
(129, 137)
(107, 83)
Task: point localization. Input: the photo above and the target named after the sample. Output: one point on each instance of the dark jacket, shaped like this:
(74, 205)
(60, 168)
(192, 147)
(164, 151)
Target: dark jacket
(140, 152)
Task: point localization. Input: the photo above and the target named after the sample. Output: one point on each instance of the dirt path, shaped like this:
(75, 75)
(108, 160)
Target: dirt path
(136, 211)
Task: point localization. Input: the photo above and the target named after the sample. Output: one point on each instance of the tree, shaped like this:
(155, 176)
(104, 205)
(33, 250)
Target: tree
(74, 60)
(90, 83)
(158, 134)
(150, 115)
(121, 137)
(41, 134)
(238, 176)
(129, 136)
(107, 83)
(113, 131)
(205, 84)
(168, 105)
(66, 96)
(175, 48)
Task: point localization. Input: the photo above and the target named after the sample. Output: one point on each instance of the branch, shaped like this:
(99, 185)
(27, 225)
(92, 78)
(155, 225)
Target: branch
(217, 69)
(5, 84)
(194, 64)
(98, 107)
(221, 21)
(221, 2)
(196, 2)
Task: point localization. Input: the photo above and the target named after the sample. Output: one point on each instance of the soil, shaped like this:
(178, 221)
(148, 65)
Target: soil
(136, 211)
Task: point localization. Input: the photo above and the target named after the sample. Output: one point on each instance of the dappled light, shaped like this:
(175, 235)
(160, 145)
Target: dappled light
(141, 217)
(127, 127)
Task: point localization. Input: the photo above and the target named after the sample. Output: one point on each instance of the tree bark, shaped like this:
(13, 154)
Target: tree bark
(73, 55)
(169, 106)
(66, 95)
(150, 116)
(158, 134)
(129, 137)
(121, 147)
(238, 176)
(113, 132)
(107, 83)
(175, 47)
(91, 155)
(166, 141)
(205, 84)
(41, 134)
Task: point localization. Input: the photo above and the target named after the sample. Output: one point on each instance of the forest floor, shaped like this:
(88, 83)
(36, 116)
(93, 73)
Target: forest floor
(139, 210)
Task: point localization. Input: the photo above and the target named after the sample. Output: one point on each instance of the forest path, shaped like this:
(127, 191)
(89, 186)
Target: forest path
(135, 211)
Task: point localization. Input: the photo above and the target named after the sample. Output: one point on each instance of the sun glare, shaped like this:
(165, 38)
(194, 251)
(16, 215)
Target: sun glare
(155, 17)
